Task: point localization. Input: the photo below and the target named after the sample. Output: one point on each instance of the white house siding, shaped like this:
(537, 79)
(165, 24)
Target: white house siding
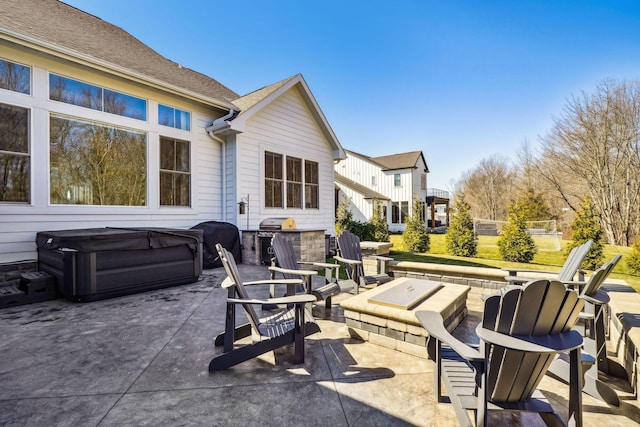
(285, 126)
(360, 170)
(20, 222)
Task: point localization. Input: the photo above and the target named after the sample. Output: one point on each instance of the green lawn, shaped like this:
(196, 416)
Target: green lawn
(488, 256)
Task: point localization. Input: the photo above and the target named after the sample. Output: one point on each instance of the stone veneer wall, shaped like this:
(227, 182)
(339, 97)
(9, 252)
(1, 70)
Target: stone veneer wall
(309, 245)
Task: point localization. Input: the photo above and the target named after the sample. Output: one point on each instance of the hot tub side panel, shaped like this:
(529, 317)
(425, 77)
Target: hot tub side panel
(95, 275)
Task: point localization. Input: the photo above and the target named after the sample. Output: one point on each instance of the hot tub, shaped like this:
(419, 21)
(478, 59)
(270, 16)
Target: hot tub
(97, 263)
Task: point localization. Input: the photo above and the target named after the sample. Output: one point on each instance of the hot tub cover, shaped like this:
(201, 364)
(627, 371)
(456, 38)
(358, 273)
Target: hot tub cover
(117, 239)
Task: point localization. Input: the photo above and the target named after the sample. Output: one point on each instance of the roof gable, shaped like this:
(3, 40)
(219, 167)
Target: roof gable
(401, 161)
(254, 102)
(63, 30)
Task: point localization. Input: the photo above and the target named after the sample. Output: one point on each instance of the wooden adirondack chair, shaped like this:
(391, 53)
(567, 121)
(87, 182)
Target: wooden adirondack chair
(566, 274)
(288, 266)
(351, 257)
(522, 331)
(286, 327)
(595, 347)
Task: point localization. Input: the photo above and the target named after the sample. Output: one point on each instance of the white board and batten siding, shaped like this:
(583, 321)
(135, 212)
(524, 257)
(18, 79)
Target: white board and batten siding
(285, 126)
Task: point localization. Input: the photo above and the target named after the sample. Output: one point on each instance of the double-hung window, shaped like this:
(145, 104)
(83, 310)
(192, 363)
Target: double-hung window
(273, 183)
(15, 158)
(294, 182)
(14, 154)
(311, 185)
(175, 174)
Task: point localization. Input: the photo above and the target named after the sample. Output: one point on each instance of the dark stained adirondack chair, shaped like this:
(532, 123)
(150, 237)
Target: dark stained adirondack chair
(595, 347)
(566, 274)
(522, 332)
(285, 263)
(289, 326)
(350, 254)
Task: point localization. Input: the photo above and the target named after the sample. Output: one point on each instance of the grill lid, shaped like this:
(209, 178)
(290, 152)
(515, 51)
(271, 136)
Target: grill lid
(278, 224)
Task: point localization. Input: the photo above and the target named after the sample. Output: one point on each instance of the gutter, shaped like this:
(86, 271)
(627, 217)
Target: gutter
(220, 123)
(217, 124)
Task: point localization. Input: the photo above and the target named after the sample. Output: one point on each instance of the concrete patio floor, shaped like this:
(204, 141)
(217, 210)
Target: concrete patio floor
(142, 360)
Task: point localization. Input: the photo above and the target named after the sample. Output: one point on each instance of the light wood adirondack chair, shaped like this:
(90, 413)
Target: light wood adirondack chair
(351, 256)
(285, 263)
(286, 327)
(594, 355)
(566, 274)
(521, 333)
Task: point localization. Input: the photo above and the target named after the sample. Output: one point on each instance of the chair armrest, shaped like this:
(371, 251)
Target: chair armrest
(293, 299)
(433, 322)
(515, 271)
(326, 265)
(346, 260)
(575, 284)
(227, 282)
(296, 272)
(599, 298)
(381, 258)
(556, 343)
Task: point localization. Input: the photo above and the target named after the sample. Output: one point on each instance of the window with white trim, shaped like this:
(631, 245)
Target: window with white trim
(273, 182)
(15, 77)
(290, 182)
(175, 172)
(311, 185)
(94, 163)
(399, 212)
(86, 95)
(15, 160)
(173, 117)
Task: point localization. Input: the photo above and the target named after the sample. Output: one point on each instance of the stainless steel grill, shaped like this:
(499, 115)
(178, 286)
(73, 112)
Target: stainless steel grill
(268, 227)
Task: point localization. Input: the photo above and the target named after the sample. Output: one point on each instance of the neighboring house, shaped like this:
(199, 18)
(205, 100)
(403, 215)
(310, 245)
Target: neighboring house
(97, 129)
(395, 181)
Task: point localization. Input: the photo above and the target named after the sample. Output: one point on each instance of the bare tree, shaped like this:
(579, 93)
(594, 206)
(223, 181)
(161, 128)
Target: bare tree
(488, 188)
(593, 150)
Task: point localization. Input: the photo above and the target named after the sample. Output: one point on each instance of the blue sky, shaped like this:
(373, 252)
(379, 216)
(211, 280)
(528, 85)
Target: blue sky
(459, 80)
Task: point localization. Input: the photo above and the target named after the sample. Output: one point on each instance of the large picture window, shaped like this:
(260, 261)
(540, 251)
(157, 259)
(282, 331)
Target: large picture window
(86, 95)
(175, 172)
(273, 180)
(14, 154)
(15, 77)
(96, 164)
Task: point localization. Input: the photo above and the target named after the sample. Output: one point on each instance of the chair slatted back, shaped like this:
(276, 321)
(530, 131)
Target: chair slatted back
(599, 276)
(231, 268)
(538, 308)
(285, 254)
(573, 262)
(349, 247)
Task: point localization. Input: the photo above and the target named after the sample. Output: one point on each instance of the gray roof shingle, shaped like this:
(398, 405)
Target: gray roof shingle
(61, 27)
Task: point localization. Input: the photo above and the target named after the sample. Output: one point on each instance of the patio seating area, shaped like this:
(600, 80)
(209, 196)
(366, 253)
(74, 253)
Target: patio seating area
(143, 359)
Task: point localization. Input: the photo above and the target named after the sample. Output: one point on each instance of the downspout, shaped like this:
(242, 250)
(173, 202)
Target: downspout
(217, 124)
